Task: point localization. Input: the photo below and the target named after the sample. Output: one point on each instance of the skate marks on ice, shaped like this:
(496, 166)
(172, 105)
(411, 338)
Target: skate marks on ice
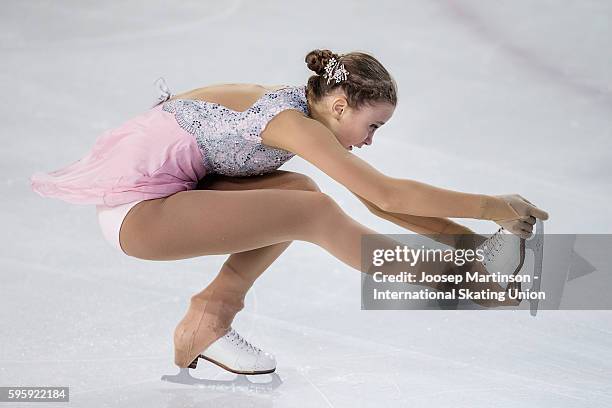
(90, 36)
(239, 383)
(531, 59)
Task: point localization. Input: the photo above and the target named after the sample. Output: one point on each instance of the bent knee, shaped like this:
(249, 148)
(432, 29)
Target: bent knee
(324, 206)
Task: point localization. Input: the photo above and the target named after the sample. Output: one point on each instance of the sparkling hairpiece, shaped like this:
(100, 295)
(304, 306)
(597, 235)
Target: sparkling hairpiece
(339, 73)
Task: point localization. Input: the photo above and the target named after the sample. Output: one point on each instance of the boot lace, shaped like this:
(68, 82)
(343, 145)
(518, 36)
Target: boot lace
(492, 245)
(241, 342)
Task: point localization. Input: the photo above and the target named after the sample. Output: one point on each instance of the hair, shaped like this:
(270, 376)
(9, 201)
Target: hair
(368, 82)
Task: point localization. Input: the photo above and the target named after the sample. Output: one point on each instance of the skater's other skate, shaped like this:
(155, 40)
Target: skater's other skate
(233, 353)
(504, 252)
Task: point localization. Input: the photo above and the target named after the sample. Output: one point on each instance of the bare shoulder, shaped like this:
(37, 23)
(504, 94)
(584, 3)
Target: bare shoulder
(287, 128)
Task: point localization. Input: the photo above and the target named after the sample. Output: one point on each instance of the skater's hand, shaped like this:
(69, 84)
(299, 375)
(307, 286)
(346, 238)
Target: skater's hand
(527, 211)
(522, 227)
(509, 207)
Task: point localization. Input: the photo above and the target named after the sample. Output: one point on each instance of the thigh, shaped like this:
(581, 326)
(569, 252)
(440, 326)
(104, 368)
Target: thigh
(211, 222)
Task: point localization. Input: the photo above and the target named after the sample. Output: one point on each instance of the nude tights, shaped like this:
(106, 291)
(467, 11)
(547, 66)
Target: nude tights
(253, 219)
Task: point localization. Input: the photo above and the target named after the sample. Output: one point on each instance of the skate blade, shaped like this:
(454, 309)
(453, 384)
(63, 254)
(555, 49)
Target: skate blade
(241, 382)
(236, 371)
(194, 364)
(536, 245)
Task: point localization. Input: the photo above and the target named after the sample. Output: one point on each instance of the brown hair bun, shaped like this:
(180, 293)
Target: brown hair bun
(318, 59)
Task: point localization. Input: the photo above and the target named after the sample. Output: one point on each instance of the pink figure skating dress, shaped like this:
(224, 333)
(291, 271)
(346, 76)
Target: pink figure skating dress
(169, 148)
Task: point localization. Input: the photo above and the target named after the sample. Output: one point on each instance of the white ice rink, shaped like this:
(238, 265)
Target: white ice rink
(495, 97)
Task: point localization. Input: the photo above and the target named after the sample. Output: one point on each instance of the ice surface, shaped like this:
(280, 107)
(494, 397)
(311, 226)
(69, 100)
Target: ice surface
(495, 97)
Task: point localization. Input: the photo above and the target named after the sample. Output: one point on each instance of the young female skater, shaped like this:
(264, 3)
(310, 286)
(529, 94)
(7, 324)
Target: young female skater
(143, 178)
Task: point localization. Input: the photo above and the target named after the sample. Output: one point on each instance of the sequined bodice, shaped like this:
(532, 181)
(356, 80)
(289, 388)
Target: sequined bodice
(230, 140)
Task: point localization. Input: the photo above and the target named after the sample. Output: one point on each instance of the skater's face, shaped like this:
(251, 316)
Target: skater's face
(356, 127)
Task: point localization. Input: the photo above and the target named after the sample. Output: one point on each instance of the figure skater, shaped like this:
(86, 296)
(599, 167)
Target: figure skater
(197, 174)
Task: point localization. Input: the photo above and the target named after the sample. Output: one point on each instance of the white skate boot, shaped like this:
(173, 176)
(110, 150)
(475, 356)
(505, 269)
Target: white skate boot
(233, 353)
(504, 252)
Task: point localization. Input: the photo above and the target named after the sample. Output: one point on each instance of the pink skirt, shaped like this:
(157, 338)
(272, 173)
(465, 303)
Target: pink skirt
(149, 156)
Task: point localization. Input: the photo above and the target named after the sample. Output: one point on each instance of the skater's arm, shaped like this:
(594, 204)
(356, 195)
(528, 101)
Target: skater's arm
(439, 229)
(315, 143)
(421, 199)
(416, 198)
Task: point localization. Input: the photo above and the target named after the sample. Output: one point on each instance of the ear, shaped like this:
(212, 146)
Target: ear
(339, 106)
